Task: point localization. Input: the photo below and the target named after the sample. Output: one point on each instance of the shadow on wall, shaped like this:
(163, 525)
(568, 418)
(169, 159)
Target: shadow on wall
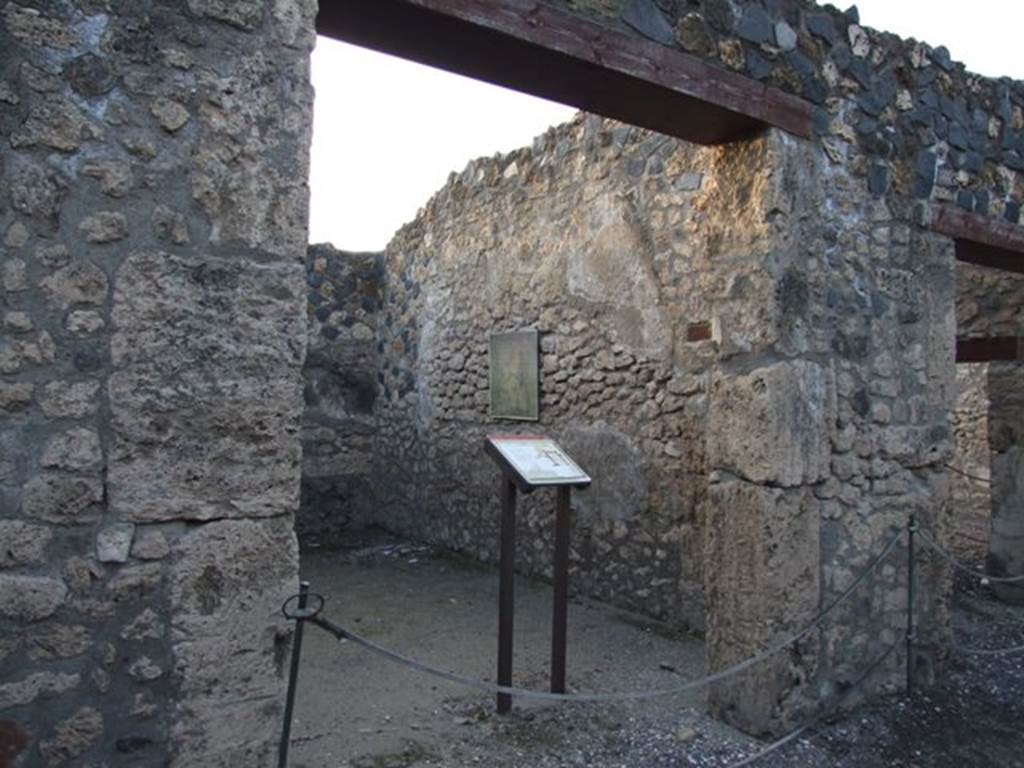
(341, 386)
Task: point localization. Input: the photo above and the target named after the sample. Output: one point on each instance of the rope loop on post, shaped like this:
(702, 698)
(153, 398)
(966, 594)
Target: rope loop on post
(293, 611)
(951, 559)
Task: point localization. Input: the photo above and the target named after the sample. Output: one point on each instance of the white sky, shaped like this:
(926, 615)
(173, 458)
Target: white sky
(387, 132)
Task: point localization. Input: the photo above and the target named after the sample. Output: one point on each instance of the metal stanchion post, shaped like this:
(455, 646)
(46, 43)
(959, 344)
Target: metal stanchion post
(911, 531)
(293, 680)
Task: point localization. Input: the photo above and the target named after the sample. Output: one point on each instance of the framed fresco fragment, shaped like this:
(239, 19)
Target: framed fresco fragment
(515, 375)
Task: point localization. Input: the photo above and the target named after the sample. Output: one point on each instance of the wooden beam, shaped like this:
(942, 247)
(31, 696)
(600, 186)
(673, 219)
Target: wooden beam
(530, 46)
(981, 240)
(1000, 348)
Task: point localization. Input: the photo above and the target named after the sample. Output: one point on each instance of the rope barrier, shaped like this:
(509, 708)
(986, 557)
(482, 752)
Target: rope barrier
(969, 537)
(965, 568)
(797, 732)
(306, 607)
(991, 652)
(487, 687)
(342, 633)
(968, 475)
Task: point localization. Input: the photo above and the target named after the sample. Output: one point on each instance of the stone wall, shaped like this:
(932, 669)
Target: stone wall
(972, 462)
(599, 236)
(990, 423)
(1006, 441)
(989, 302)
(343, 365)
(903, 118)
(719, 334)
(899, 127)
(837, 429)
(153, 220)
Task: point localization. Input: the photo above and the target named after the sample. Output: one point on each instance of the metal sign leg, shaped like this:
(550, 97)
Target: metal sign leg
(506, 591)
(561, 600)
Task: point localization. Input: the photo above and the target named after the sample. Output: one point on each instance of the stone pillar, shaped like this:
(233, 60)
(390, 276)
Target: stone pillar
(1006, 433)
(153, 219)
(770, 444)
(829, 424)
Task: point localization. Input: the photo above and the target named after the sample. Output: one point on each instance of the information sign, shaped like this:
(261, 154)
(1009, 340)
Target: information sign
(539, 460)
(515, 376)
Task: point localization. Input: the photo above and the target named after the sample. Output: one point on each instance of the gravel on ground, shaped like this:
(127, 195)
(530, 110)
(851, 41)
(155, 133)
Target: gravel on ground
(355, 710)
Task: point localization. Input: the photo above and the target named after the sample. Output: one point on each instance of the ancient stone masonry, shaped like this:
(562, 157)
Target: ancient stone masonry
(1006, 444)
(751, 346)
(598, 236)
(990, 421)
(153, 221)
(343, 363)
(719, 334)
(784, 298)
(989, 302)
(903, 118)
(971, 487)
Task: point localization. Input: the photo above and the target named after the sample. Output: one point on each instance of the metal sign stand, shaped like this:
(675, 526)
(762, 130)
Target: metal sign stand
(529, 462)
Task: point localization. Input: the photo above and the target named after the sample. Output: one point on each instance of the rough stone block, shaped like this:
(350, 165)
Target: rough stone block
(243, 14)
(62, 498)
(774, 424)
(599, 271)
(83, 322)
(170, 226)
(247, 175)
(26, 353)
(31, 26)
(14, 397)
(22, 543)
(150, 545)
(115, 176)
(58, 642)
(145, 670)
(764, 584)
(146, 626)
(104, 227)
(136, 583)
(73, 737)
(73, 400)
(38, 192)
(89, 75)
(295, 22)
(12, 276)
(58, 124)
(171, 115)
(76, 449)
(114, 543)
(229, 574)
(207, 406)
(39, 685)
(30, 598)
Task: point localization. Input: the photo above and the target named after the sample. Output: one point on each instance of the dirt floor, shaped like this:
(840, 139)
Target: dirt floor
(357, 710)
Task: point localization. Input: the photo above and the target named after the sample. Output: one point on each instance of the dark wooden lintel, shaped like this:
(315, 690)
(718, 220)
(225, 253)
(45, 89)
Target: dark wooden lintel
(1000, 348)
(981, 240)
(533, 47)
